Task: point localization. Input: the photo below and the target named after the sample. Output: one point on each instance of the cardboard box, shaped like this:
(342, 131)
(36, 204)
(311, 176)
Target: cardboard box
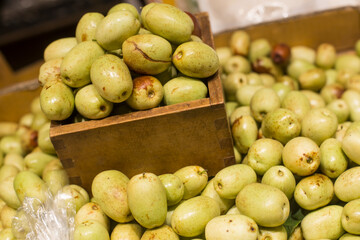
(160, 140)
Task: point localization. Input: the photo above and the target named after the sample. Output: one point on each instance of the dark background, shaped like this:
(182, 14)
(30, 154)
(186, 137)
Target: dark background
(28, 26)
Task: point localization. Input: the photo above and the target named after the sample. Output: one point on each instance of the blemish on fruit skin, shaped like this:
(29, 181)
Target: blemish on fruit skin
(143, 82)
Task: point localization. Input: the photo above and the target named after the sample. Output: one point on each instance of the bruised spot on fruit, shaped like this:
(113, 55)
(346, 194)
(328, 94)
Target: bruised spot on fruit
(227, 230)
(309, 160)
(103, 89)
(220, 185)
(280, 173)
(124, 93)
(252, 229)
(102, 108)
(267, 238)
(143, 82)
(94, 207)
(174, 90)
(237, 120)
(347, 218)
(83, 37)
(230, 220)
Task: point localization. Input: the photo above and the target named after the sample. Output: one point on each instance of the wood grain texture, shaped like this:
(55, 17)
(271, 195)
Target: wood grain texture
(340, 27)
(17, 89)
(159, 140)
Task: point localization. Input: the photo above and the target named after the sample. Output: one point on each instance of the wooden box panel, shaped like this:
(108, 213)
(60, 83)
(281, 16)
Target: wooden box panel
(160, 140)
(340, 27)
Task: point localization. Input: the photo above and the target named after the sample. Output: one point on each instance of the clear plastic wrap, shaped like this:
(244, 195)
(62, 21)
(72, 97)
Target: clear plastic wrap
(51, 220)
(233, 14)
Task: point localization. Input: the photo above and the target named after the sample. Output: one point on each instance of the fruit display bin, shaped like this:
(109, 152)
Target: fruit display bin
(159, 140)
(340, 27)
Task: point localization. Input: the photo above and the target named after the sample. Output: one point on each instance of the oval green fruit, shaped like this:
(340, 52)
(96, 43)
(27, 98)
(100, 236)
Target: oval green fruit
(28, 184)
(86, 27)
(90, 104)
(127, 231)
(115, 28)
(224, 204)
(350, 217)
(319, 124)
(147, 93)
(77, 196)
(314, 191)
(8, 194)
(149, 211)
(57, 101)
(147, 54)
(231, 227)
(194, 179)
(264, 154)
(6, 234)
(191, 216)
(44, 140)
(351, 142)
(296, 102)
(36, 161)
(278, 233)
(50, 71)
(109, 189)
(245, 132)
(348, 236)
(267, 205)
(196, 59)
(174, 188)
(111, 78)
(347, 185)
(124, 7)
(184, 89)
(281, 124)
(325, 55)
(56, 180)
(92, 211)
(91, 230)
(281, 178)
(229, 181)
(163, 232)
(168, 22)
(324, 223)
(301, 156)
(75, 67)
(333, 160)
(59, 48)
(240, 42)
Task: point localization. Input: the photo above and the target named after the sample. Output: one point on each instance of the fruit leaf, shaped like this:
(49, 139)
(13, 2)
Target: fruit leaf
(293, 221)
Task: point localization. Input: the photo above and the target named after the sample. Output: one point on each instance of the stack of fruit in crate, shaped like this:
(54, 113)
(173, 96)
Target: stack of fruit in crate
(294, 116)
(144, 60)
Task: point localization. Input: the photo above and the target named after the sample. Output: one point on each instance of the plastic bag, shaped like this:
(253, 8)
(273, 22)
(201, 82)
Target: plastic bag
(233, 14)
(52, 220)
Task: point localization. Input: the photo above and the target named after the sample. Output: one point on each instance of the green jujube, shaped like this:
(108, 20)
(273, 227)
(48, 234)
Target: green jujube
(168, 22)
(183, 89)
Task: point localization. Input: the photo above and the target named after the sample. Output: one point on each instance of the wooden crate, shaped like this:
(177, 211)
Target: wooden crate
(160, 140)
(340, 27)
(17, 89)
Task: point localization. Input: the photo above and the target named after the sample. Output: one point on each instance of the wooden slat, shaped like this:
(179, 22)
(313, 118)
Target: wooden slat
(340, 27)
